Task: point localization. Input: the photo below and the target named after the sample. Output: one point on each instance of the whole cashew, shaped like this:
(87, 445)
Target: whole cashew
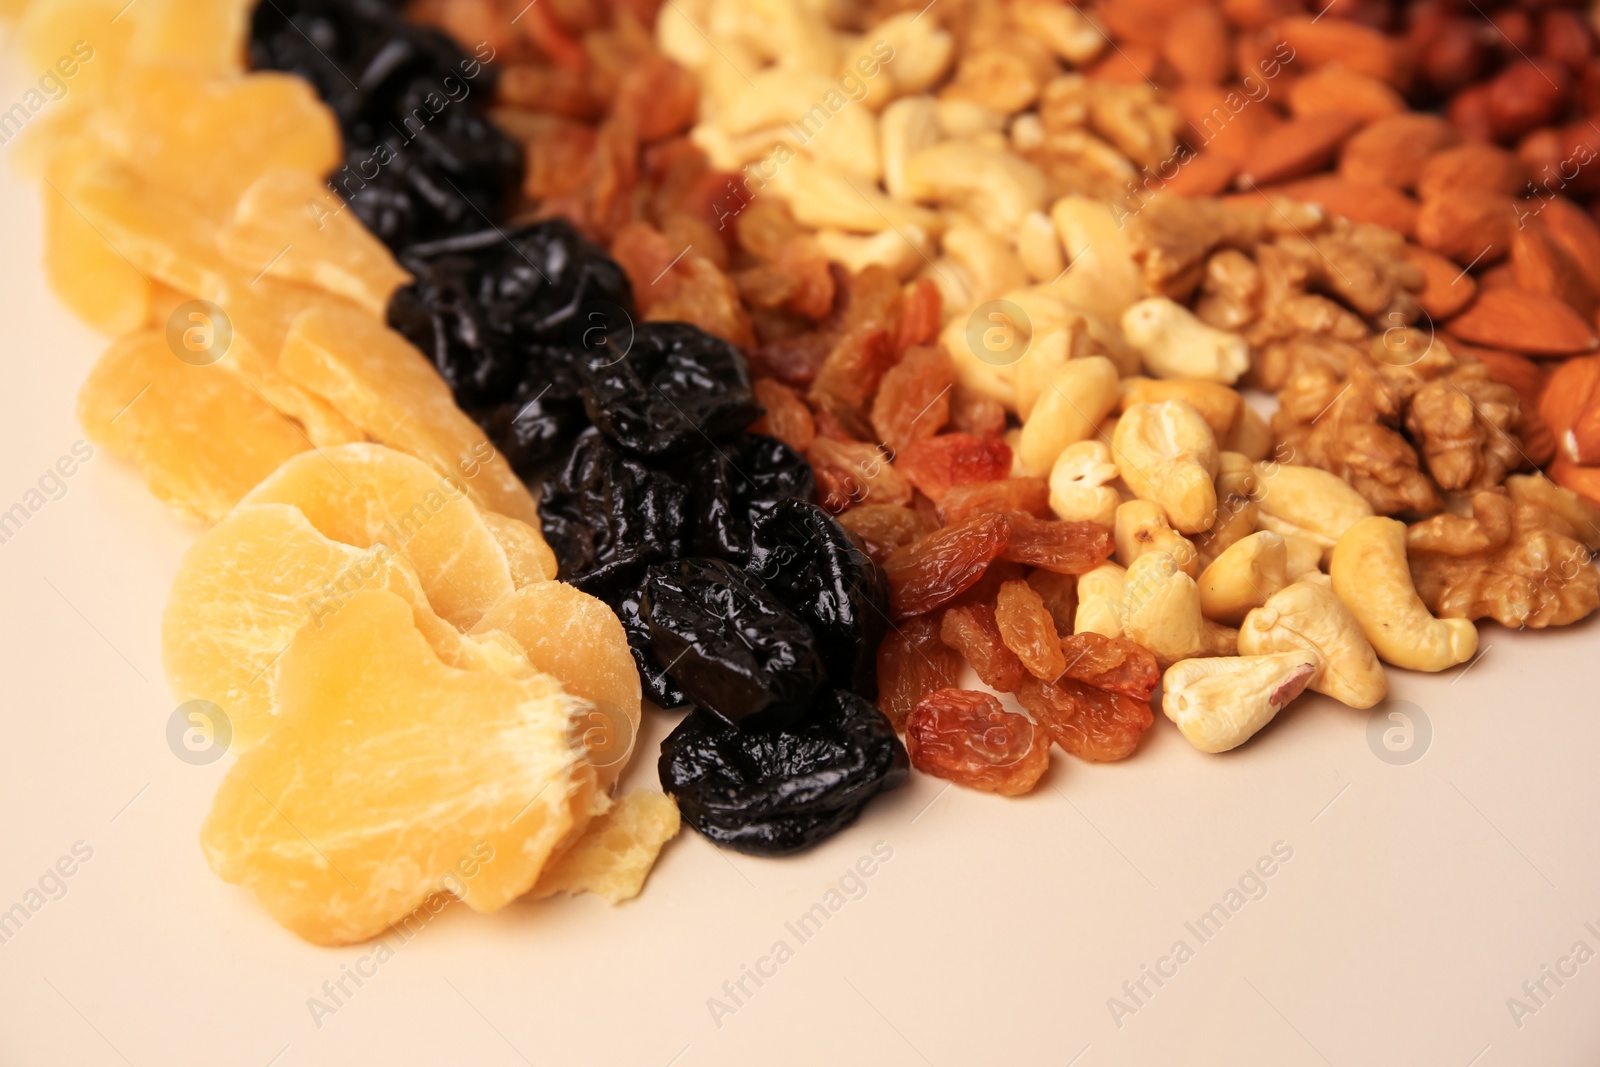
(1140, 526)
(1371, 576)
(1308, 501)
(1219, 405)
(1068, 410)
(1237, 511)
(1309, 617)
(1244, 577)
(1100, 601)
(1079, 489)
(1168, 454)
(1161, 611)
(1175, 344)
(1219, 704)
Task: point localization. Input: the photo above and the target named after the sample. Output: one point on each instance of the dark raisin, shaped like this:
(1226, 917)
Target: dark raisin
(729, 643)
(673, 390)
(819, 569)
(734, 482)
(773, 792)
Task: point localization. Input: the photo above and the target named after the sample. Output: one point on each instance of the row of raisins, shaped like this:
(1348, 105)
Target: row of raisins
(741, 598)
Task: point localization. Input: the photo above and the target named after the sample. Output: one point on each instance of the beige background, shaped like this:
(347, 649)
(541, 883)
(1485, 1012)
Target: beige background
(1418, 898)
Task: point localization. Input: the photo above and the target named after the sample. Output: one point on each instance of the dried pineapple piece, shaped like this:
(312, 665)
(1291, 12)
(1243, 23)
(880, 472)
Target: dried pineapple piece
(292, 222)
(86, 32)
(200, 437)
(386, 387)
(531, 559)
(616, 852)
(207, 35)
(361, 494)
(86, 271)
(390, 776)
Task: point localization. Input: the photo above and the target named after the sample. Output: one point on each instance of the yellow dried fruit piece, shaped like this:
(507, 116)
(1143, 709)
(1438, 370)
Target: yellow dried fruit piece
(207, 35)
(530, 558)
(361, 494)
(200, 437)
(247, 586)
(86, 272)
(577, 639)
(616, 852)
(386, 387)
(85, 33)
(390, 777)
(291, 222)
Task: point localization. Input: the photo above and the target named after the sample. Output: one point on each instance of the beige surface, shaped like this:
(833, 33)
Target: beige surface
(1418, 900)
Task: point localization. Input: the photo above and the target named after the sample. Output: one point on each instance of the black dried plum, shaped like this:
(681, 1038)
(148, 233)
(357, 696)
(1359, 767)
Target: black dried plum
(673, 390)
(729, 643)
(653, 677)
(817, 568)
(773, 792)
(543, 415)
(604, 511)
(734, 482)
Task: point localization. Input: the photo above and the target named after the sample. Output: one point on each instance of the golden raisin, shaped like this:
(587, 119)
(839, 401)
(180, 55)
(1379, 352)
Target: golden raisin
(970, 739)
(971, 629)
(1028, 630)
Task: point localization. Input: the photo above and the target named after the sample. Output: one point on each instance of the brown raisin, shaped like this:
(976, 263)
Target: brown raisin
(936, 464)
(787, 418)
(913, 662)
(1113, 663)
(885, 527)
(969, 738)
(920, 315)
(1008, 494)
(850, 375)
(971, 630)
(1028, 630)
(873, 297)
(1060, 595)
(913, 400)
(976, 414)
(1063, 547)
(936, 569)
(850, 473)
(1092, 724)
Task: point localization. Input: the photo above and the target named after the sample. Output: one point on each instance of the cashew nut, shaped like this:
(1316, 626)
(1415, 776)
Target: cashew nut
(1079, 489)
(1219, 405)
(1168, 454)
(1237, 512)
(1103, 278)
(1100, 601)
(1371, 576)
(922, 51)
(1038, 247)
(1069, 410)
(905, 128)
(1240, 580)
(900, 251)
(996, 188)
(1219, 704)
(824, 198)
(1161, 611)
(1175, 344)
(1141, 526)
(1062, 28)
(1308, 501)
(1305, 557)
(991, 266)
(1251, 435)
(1308, 617)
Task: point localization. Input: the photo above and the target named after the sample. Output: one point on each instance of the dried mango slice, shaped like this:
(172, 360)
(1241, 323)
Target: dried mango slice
(362, 494)
(207, 35)
(389, 389)
(531, 559)
(390, 777)
(86, 271)
(247, 586)
(616, 852)
(292, 222)
(200, 437)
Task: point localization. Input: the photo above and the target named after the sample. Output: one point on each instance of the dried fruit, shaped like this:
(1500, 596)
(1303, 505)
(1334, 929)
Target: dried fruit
(1031, 495)
(1029, 631)
(616, 852)
(935, 465)
(913, 661)
(913, 401)
(972, 630)
(969, 738)
(1112, 663)
(934, 570)
(1092, 724)
(852, 473)
(883, 528)
(1063, 547)
(787, 418)
(1060, 595)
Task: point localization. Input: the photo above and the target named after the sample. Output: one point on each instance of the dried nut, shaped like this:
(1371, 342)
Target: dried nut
(1047, 354)
(1219, 405)
(1300, 146)
(905, 128)
(1251, 436)
(990, 372)
(1241, 579)
(1103, 278)
(900, 251)
(1337, 89)
(1467, 225)
(1576, 232)
(1027, 133)
(1393, 151)
(1482, 167)
(1161, 611)
(1377, 204)
(922, 51)
(1220, 703)
(1304, 557)
(969, 119)
(992, 268)
(823, 198)
(1446, 288)
(1100, 601)
(1523, 321)
(1168, 454)
(1371, 576)
(1238, 514)
(1062, 28)
(1080, 489)
(996, 188)
(1308, 501)
(1318, 42)
(1175, 344)
(1039, 248)
(1082, 393)
(1310, 617)
(1581, 514)
(1141, 527)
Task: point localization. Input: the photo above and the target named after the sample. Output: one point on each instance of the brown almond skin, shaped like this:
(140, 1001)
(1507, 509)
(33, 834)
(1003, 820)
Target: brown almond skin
(1527, 94)
(1446, 288)
(1337, 89)
(1469, 113)
(1300, 146)
(1561, 159)
(1499, 276)
(1207, 174)
(1454, 57)
(1531, 323)
(1543, 266)
(1377, 204)
(1319, 42)
(1196, 45)
(1468, 226)
(1507, 368)
(1585, 481)
(1574, 230)
(1565, 38)
(1225, 122)
(1483, 167)
(1573, 387)
(1392, 151)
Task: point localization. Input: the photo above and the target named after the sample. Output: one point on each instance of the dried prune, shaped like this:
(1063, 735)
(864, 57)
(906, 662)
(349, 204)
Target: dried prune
(883, 528)
(734, 482)
(773, 792)
(969, 738)
(817, 569)
(913, 662)
(1092, 724)
(1063, 547)
(935, 465)
(543, 415)
(1029, 631)
(604, 511)
(1113, 663)
(971, 630)
(1031, 495)
(653, 677)
(729, 643)
(938, 568)
(672, 390)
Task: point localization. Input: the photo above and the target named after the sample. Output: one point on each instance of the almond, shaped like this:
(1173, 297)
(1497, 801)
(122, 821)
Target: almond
(1223, 122)
(1256, 14)
(1585, 481)
(1338, 89)
(1508, 368)
(1207, 174)
(1298, 147)
(1482, 167)
(1581, 444)
(1470, 227)
(1392, 151)
(1576, 232)
(1318, 42)
(1520, 321)
(1527, 94)
(1538, 443)
(1469, 113)
(1377, 204)
(1196, 44)
(1543, 266)
(1446, 288)
(1573, 387)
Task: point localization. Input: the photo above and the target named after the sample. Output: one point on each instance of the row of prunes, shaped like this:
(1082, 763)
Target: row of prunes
(741, 598)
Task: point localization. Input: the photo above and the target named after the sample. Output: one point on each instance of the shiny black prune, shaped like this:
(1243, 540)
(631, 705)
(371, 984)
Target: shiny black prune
(603, 511)
(543, 415)
(729, 644)
(772, 792)
(673, 390)
(653, 677)
(817, 568)
(734, 482)
(489, 306)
